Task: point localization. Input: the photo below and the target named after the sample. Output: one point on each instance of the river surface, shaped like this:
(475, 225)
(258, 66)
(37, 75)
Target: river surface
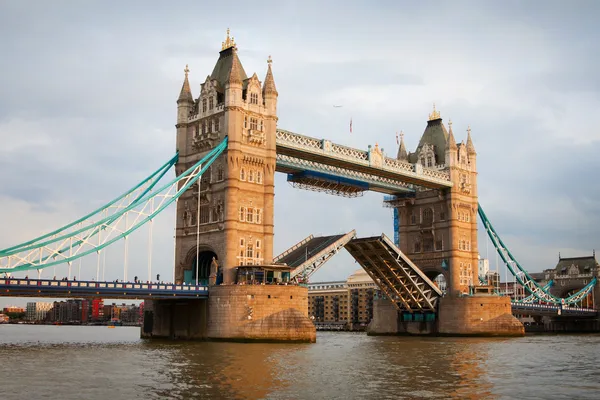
(70, 362)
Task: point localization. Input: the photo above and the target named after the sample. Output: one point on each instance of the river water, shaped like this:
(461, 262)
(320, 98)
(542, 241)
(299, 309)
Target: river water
(69, 362)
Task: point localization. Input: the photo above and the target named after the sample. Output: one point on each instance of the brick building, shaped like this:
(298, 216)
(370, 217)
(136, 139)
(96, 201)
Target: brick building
(343, 304)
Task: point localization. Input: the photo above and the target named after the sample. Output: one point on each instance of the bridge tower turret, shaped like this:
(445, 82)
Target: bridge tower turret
(229, 216)
(438, 228)
(185, 102)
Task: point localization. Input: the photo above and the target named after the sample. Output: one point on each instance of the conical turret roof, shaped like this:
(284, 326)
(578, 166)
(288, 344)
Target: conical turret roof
(186, 91)
(269, 85)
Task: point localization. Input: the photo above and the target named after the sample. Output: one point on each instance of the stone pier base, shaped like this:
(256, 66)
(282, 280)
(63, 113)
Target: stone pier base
(268, 313)
(478, 315)
(175, 319)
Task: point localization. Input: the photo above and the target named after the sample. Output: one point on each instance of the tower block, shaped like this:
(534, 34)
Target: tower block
(438, 232)
(226, 219)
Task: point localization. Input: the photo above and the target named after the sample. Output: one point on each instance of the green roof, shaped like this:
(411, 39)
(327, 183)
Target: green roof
(223, 66)
(435, 133)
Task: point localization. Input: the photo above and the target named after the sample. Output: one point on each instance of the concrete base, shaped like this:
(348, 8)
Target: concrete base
(478, 315)
(268, 313)
(387, 321)
(175, 319)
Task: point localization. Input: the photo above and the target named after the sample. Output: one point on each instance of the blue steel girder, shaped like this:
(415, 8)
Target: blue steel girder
(294, 166)
(372, 162)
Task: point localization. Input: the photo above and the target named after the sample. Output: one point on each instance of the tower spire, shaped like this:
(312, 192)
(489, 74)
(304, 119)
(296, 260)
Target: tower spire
(269, 85)
(434, 114)
(186, 92)
(451, 143)
(229, 42)
(470, 147)
(402, 153)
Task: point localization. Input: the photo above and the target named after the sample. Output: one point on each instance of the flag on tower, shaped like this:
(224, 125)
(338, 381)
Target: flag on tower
(397, 141)
(350, 125)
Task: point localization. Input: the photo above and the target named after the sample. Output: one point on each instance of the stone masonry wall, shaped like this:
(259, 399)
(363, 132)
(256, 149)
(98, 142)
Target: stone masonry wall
(260, 313)
(478, 316)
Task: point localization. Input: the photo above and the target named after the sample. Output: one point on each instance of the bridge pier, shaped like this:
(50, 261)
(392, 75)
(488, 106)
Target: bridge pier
(265, 313)
(175, 319)
(477, 315)
(244, 313)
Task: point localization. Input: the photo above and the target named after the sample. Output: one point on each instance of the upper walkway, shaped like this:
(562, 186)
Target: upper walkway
(319, 163)
(19, 287)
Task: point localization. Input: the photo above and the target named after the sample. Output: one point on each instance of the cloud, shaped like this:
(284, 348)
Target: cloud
(88, 106)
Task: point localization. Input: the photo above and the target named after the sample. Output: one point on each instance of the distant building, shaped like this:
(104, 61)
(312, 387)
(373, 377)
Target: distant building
(345, 304)
(483, 267)
(36, 311)
(13, 309)
(97, 310)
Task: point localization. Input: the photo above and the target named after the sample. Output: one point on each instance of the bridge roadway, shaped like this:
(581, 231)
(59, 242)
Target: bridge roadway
(19, 287)
(552, 310)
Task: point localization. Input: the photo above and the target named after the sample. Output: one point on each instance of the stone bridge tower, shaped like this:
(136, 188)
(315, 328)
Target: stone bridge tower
(438, 228)
(228, 217)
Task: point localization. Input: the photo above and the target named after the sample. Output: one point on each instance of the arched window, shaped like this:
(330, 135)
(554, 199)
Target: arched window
(258, 177)
(242, 174)
(250, 175)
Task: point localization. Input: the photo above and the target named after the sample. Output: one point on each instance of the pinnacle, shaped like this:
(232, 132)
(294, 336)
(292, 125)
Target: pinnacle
(186, 91)
(269, 85)
(402, 153)
(451, 143)
(470, 146)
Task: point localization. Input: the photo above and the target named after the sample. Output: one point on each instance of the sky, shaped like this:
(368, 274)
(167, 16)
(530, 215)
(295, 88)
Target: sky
(89, 90)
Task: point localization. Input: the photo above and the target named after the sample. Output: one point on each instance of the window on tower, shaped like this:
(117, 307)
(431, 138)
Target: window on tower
(258, 177)
(253, 124)
(217, 125)
(220, 173)
(242, 174)
(245, 122)
(250, 215)
(254, 98)
(210, 103)
(242, 214)
(203, 105)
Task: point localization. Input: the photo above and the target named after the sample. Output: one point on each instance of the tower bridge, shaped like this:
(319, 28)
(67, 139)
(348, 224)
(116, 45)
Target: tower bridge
(228, 149)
